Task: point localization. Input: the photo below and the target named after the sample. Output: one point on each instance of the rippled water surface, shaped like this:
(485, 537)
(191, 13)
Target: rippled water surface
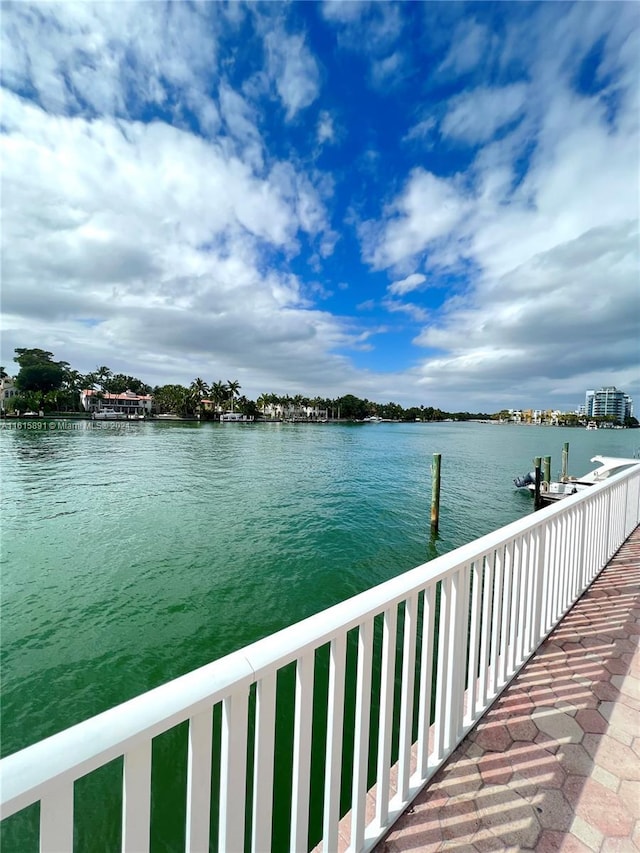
(132, 555)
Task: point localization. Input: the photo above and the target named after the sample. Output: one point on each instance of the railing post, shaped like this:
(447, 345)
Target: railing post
(525, 559)
(474, 640)
(577, 551)
(462, 631)
(581, 545)
(387, 679)
(302, 752)
(426, 678)
(56, 821)
(263, 763)
(406, 694)
(607, 530)
(486, 618)
(136, 799)
(333, 760)
(539, 575)
(361, 735)
(507, 591)
(498, 585)
(450, 664)
(444, 667)
(233, 770)
(199, 782)
(516, 571)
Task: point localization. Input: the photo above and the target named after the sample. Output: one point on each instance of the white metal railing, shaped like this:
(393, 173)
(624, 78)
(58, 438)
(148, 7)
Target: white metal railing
(459, 628)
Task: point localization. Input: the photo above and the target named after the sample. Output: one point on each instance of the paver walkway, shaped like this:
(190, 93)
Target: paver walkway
(554, 765)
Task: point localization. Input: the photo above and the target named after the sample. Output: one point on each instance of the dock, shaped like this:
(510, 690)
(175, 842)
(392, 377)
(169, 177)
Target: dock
(555, 762)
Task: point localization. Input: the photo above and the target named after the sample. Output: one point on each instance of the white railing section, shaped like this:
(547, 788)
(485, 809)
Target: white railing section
(459, 628)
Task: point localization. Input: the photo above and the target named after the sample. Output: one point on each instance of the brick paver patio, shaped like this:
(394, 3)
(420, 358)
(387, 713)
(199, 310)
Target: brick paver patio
(555, 764)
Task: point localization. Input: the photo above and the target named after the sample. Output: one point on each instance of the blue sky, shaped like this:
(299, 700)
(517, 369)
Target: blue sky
(432, 203)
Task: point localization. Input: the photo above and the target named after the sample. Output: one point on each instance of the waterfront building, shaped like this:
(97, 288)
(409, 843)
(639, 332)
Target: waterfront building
(7, 391)
(608, 402)
(293, 412)
(126, 403)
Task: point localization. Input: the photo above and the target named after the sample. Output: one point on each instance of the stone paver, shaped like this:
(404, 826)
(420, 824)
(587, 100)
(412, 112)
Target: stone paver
(555, 763)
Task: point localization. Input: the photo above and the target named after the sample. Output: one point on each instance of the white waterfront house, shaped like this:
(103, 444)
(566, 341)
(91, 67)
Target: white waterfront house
(127, 403)
(293, 412)
(7, 391)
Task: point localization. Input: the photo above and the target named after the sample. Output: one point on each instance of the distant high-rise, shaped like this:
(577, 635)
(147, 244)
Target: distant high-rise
(608, 401)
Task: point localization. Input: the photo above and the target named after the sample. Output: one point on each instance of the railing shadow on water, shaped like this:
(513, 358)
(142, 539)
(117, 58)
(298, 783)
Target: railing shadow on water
(269, 747)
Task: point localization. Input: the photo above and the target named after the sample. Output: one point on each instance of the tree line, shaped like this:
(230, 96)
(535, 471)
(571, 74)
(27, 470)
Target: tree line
(48, 385)
(54, 386)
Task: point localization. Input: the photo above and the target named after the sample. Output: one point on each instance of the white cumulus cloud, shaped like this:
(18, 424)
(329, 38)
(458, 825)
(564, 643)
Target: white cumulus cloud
(326, 131)
(293, 69)
(427, 209)
(157, 239)
(406, 285)
(476, 115)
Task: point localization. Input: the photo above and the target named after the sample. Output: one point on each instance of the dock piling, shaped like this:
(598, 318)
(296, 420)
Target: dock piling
(537, 500)
(565, 460)
(546, 469)
(435, 492)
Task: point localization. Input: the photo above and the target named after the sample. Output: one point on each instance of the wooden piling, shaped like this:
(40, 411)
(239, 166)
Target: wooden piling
(546, 469)
(537, 500)
(435, 492)
(565, 460)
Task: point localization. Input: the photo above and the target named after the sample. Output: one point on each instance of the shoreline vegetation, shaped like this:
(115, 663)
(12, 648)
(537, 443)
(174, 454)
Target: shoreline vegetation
(86, 417)
(47, 388)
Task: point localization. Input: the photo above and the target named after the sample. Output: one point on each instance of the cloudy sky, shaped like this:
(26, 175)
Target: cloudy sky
(432, 203)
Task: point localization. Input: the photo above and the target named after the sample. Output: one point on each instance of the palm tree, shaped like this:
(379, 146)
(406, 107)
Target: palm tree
(103, 375)
(233, 386)
(285, 403)
(317, 404)
(197, 390)
(73, 383)
(200, 387)
(298, 402)
(218, 392)
(262, 402)
(274, 401)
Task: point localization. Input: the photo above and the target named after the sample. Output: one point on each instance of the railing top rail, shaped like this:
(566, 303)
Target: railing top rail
(70, 754)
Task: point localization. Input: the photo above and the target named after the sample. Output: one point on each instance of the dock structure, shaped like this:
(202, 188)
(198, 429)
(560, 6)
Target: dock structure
(555, 762)
(477, 705)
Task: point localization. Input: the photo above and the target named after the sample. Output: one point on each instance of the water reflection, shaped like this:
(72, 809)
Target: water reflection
(34, 446)
(432, 547)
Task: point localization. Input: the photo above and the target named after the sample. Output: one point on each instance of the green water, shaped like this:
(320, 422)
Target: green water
(132, 554)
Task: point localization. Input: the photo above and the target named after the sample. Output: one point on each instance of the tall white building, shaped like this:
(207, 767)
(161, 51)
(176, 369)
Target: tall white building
(608, 401)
